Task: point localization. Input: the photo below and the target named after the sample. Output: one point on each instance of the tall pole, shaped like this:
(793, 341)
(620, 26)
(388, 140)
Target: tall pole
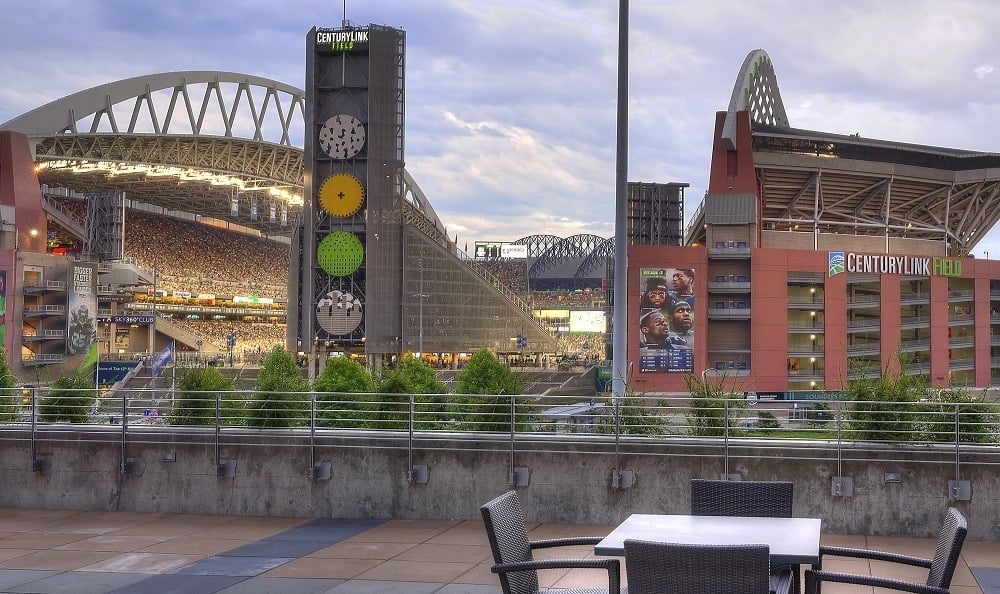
(618, 346)
(420, 337)
(152, 327)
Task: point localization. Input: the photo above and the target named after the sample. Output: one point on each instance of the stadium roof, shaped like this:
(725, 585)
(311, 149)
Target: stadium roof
(184, 141)
(847, 184)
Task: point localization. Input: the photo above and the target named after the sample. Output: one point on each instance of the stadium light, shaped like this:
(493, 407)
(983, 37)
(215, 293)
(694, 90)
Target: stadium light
(113, 169)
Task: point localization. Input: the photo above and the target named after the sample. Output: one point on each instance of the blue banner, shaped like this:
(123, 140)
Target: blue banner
(162, 358)
(234, 205)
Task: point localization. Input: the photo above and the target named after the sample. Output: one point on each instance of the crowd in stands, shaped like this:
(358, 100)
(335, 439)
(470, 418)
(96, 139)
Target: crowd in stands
(512, 273)
(566, 299)
(251, 338)
(199, 258)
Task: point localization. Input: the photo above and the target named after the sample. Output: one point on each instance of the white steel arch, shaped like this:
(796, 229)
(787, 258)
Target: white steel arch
(756, 91)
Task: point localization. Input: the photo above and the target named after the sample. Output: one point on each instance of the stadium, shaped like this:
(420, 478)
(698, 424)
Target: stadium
(147, 199)
(856, 251)
(184, 226)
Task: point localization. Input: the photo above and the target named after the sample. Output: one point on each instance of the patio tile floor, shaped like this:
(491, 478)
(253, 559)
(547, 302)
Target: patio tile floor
(63, 551)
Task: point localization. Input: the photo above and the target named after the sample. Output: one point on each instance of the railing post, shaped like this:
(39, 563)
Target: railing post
(218, 414)
(409, 445)
(958, 489)
(124, 458)
(841, 486)
(34, 428)
(312, 434)
(725, 436)
(414, 473)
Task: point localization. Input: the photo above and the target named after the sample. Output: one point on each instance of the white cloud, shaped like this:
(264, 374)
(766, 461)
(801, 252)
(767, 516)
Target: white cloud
(511, 103)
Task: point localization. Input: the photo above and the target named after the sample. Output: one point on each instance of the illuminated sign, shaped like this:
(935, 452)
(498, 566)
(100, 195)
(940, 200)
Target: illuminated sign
(341, 41)
(492, 250)
(240, 299)
(137, 320)
(885, 264)
(587, 321)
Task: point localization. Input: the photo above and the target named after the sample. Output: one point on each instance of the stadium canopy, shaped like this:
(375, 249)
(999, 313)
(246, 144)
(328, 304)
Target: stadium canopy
(187, 142)
(823, 182)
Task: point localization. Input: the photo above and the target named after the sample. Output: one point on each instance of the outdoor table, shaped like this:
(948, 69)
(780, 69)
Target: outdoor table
(791, 540)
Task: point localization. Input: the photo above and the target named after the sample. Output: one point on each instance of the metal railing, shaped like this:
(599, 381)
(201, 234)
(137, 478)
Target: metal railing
(935, 430)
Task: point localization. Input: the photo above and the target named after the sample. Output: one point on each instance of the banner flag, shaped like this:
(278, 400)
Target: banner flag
(274, 213)
(89, 360)
(162, 358)
(234, 205)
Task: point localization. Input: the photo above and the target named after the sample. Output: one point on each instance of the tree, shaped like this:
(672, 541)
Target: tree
(978, 422)
(768, 421)
(69, 400)
(342, 376)
(411, 376)
(200, 389)
(279, 399)
(482, 385)
(885, 408)
(8, 393)
(638, 416)
(712, 408)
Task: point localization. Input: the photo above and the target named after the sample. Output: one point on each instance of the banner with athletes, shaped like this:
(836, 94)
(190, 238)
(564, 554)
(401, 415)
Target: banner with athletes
(81, 322)
(666, 320)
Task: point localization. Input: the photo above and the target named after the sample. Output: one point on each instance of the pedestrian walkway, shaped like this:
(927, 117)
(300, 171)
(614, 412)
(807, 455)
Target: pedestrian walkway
(63, 551)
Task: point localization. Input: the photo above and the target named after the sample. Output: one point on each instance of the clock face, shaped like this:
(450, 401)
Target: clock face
(342, 136)
(340, 254)
(341, 195)
(339, 313)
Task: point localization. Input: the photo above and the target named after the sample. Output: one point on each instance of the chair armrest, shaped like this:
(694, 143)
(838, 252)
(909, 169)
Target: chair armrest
(814, 578)
(565, 542)
(876, 555)
(613, 567)
(782, 583)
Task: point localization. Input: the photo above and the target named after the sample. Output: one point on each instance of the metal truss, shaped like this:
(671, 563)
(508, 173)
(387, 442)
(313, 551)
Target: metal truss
(538, 244)
(576, 247)
(954, 202)
(597, 260)
(756, 91)
(225, 123)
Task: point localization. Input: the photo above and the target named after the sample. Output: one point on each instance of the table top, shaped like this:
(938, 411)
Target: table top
(791, 540)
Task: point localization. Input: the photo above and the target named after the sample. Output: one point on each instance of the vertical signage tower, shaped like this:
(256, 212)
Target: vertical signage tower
(348, 249)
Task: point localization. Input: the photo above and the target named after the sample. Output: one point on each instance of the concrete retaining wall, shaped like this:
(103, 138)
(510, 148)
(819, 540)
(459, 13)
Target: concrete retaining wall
(569, 480)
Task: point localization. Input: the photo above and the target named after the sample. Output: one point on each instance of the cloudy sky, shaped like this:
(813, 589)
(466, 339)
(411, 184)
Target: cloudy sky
(510, 104)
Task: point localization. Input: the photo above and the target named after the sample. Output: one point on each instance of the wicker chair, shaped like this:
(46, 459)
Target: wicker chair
(762, 499)
(517, 569)
(668, 568)
(940, 569)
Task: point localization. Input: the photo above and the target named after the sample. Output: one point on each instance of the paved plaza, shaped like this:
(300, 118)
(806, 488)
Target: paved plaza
(86, 552)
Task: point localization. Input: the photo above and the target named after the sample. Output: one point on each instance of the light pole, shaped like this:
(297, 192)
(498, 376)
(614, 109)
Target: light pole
(420, 322)
(420, 311)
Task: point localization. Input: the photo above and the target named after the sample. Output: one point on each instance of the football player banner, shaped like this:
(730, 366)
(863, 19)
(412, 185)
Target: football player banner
(666, 320)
